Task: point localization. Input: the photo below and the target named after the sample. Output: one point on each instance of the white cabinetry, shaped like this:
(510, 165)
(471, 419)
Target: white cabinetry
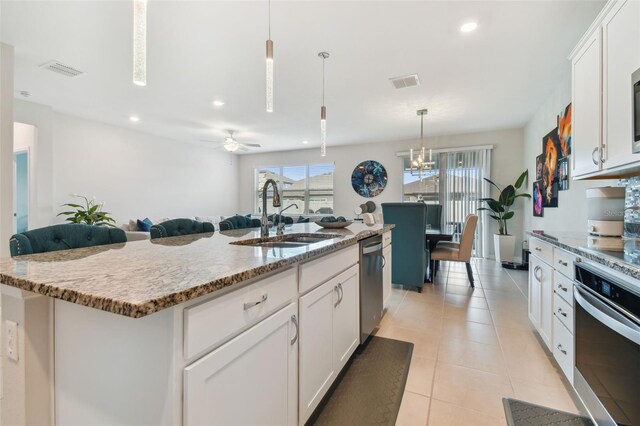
(329, 324)
(602, 65)
(386, 270)
(551, 301)
(252, 379)
(541, 298)
(586, 71)
(621, 57)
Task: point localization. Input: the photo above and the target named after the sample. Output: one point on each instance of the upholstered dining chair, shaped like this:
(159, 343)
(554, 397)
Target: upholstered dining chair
(64, 236)
(408, 251)
(458, 252)
(177, 227)
(434, 216)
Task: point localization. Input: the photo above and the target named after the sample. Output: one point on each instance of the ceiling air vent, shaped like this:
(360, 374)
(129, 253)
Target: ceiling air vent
(405, 81)
(61, 68)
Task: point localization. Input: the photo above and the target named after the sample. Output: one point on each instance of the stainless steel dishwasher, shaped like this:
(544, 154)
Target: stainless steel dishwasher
(371, 263)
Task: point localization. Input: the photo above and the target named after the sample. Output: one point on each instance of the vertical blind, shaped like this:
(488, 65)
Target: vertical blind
(462, 187)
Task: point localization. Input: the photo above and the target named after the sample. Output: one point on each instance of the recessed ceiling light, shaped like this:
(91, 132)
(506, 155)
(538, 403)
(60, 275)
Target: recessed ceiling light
(218, 103)
(468, 27)
(134, 118)
(305, 142)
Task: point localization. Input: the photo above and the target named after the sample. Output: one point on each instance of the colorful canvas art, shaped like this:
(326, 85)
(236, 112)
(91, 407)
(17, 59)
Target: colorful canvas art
(538, 205)
(551, 153)
(539, 166)
(564, 131)
(563, 174)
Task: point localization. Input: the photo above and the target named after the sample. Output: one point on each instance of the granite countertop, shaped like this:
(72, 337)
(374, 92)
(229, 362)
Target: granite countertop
(620, 254)
(139, 278)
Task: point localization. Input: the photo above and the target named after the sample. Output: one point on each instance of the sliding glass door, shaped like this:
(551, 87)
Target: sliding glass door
(456, 182)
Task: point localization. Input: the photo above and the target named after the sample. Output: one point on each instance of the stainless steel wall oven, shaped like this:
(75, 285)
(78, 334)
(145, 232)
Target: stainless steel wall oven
(607, 345)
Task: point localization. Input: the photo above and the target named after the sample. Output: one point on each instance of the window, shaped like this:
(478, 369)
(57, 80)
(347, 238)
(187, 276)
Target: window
(309, 187)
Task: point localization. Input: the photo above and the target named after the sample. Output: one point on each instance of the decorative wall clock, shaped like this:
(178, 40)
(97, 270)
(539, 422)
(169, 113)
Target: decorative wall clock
(369, 178)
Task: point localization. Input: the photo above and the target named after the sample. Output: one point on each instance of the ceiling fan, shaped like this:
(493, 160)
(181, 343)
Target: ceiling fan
(232, 145)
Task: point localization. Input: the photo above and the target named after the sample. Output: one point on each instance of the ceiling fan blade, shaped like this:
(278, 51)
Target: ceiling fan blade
(253, 145)
(243, 148)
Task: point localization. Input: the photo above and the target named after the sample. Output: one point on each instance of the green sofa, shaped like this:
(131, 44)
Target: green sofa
(64, 237)
(239, 222)
(408, 251)
(177, 227)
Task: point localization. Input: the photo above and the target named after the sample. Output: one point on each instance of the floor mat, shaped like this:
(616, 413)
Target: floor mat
(370, 389)
(520, 413)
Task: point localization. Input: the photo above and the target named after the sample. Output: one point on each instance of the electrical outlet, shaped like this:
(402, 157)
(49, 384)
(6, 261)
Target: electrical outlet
(12, 340)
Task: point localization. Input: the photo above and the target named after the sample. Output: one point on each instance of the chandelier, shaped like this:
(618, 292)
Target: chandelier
(418, 163)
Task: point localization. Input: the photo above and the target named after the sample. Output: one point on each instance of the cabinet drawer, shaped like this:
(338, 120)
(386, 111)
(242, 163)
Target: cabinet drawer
(386, 239)
(318, 271)
(563, 287)
(563, 262)
(563, 348)
(211, 323)
(541, 249)
(563, 311)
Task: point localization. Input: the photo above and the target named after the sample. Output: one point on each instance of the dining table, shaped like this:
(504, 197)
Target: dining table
(433, 237)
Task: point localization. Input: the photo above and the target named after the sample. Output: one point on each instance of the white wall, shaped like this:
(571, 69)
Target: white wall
(506, 166)
(138, 175)
(570, 215)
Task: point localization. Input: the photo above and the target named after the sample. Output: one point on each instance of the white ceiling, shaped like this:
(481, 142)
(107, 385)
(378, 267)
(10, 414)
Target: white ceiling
(492, 78)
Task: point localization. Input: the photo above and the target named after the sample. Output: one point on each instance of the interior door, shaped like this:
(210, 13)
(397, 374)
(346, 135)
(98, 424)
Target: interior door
(20, 191)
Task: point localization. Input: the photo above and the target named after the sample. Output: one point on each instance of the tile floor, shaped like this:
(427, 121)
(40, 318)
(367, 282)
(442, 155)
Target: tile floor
(472, 347)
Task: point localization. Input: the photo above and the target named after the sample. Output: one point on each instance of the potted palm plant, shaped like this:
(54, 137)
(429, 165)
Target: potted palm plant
(500, 211)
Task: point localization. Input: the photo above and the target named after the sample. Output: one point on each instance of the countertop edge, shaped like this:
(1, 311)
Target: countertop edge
(134, 310)
(601, 258)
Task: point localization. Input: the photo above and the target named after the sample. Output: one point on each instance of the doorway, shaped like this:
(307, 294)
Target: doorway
(24, 137)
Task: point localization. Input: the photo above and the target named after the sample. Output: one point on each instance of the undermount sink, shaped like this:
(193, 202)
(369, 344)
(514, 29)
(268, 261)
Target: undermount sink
(287, 241)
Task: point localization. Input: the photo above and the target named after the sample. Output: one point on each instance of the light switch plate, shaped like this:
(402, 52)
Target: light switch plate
(11, 333)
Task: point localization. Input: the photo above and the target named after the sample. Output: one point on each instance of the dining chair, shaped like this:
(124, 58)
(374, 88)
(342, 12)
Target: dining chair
(458, 252)
(434, 216)
(64, 236)
(408, 251)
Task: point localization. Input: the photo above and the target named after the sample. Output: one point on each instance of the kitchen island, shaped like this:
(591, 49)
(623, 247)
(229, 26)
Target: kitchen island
(183, 330)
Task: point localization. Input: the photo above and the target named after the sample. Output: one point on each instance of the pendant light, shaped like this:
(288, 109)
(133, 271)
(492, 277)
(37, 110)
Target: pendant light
(323, 113)
(419, 164)
(269, 67)
(140, 42)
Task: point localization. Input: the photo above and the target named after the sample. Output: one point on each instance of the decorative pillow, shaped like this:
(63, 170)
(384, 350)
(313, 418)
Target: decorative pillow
(144, 225)
(303, 219)
(133, 225)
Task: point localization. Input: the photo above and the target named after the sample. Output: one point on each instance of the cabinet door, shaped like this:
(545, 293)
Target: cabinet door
(346, 318)
(621, 57)
(587, 106)
(546, 304)
(386, 276)
(251, 379)
(316, 346)
(535, 275)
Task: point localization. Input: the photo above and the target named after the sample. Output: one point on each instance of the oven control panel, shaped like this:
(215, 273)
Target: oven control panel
(609, 289)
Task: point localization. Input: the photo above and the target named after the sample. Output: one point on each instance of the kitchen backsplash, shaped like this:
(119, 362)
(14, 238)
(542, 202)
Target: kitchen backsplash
(632, 206)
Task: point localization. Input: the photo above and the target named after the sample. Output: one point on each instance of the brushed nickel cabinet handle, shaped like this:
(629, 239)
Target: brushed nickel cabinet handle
(250, 305)
(294, 320)
(593, 154)
(563, 263)
(561, 350)
(564, 314)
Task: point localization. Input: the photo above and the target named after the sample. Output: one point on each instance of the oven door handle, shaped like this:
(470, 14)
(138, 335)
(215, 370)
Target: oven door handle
(607, 315)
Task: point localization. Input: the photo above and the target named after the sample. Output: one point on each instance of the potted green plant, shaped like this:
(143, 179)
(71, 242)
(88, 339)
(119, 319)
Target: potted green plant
(500, 211)
(91, 213)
